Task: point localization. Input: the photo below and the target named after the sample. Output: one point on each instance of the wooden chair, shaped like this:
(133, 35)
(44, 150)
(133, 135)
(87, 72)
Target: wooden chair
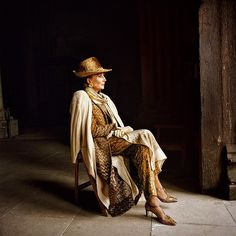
(79, 186)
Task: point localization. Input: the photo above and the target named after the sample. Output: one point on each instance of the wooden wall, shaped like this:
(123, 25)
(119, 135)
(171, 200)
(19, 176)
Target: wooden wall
(218, 88)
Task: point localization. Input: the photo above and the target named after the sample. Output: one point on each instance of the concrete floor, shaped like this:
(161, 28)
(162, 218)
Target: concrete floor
(36, 198)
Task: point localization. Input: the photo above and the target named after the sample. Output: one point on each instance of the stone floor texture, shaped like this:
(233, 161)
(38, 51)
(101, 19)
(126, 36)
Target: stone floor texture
(37, 199)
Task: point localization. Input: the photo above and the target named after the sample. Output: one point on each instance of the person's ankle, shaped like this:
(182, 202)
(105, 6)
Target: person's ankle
(161, 191)
(153, 201)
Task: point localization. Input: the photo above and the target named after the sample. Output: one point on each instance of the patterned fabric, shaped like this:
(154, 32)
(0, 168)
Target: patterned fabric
(102, 101)
(120, 194)
(140, 163)
(119, 191)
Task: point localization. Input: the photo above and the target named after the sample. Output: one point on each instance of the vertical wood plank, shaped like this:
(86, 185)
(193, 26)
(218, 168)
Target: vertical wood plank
(211, 93)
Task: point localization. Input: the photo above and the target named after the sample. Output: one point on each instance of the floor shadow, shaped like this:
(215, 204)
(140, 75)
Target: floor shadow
(62, 191)
(182, 183)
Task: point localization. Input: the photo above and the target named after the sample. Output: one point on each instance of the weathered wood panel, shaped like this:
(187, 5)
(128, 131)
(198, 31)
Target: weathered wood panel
(229, 69)
(218, 87)
(211, 93)
(229, 90)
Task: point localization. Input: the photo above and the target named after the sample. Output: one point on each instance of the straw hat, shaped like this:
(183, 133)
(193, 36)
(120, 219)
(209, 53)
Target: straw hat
(90, 66)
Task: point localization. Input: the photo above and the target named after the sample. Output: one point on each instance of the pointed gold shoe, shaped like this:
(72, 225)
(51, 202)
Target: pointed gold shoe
(168, 198)
(161, 217)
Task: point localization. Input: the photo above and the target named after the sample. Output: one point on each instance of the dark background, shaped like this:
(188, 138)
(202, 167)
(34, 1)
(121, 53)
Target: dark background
(152, 47)
(43, 41)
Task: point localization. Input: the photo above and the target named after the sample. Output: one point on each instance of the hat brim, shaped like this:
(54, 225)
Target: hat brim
(83, 74)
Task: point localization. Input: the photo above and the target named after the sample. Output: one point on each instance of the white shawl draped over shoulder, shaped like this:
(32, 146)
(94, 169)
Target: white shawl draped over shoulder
(82, 141)
(80, 132)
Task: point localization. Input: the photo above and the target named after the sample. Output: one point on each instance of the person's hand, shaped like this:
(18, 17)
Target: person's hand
(127, 129)
(121, 131)
(118, 133)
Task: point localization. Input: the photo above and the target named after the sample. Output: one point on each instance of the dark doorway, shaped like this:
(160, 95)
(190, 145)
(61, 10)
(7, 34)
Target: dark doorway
(152, 47)
(170, 80)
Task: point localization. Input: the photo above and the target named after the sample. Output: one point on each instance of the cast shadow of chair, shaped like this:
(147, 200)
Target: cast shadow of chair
(62, 192)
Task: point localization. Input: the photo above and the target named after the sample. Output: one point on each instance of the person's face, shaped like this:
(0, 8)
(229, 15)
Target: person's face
(97, 82)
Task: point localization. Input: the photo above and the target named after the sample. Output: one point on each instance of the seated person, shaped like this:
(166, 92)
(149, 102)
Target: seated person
(99, 133)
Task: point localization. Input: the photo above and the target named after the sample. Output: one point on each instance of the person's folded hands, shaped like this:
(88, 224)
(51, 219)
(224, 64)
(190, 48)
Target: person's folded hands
(121, 131)
(126, 129)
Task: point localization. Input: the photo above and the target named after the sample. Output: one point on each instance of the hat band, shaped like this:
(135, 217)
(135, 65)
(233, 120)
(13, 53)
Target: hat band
(91, 72)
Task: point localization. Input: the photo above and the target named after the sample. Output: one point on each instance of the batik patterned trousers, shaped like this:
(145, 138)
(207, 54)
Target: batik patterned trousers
(140, 164)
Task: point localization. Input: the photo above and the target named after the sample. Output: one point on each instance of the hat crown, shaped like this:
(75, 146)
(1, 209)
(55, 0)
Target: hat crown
(89, 65)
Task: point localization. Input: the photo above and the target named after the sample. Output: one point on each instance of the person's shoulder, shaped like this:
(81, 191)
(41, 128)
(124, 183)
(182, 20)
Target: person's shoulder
(80, 95)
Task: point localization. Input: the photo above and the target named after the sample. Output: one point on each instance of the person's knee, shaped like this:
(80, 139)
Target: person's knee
(148, 133)
(144, 150)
